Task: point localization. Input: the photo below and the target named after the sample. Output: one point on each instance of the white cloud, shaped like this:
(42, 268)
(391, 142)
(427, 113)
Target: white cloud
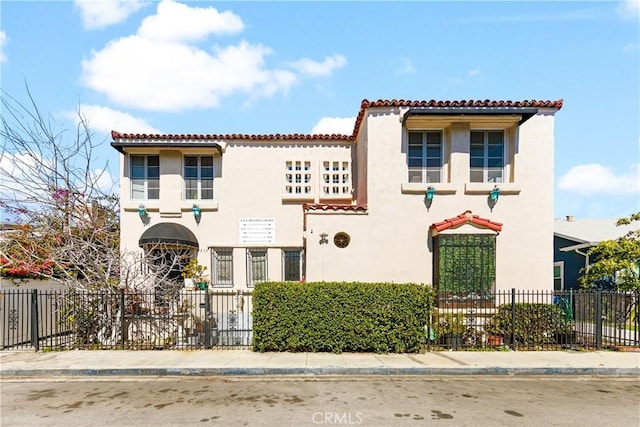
(595, 179)
(629, 9)
(334, 125)
(104, 119)
(403, 66)
(313, 68)
(175, 22)
(3, 42)
(102, 13)
(631, 48)
(473, 73)
(161, 68)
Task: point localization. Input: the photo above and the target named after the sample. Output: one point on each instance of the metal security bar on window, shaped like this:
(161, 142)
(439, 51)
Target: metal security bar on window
(465, 264)
(292, 264)
(222, 262)
(256, 266)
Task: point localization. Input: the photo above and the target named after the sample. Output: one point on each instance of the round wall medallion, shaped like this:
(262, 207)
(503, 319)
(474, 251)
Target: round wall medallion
(341, 240)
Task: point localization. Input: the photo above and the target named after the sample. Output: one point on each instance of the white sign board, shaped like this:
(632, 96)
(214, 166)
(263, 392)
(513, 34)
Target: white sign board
(257, 230)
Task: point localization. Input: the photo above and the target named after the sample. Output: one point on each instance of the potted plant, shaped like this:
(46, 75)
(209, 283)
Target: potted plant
(194, 275)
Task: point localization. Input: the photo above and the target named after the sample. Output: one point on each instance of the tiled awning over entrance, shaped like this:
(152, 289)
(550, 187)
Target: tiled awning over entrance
(169, 233)
(465, 218)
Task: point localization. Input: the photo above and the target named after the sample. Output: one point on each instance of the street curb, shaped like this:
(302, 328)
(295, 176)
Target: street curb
(324, 371)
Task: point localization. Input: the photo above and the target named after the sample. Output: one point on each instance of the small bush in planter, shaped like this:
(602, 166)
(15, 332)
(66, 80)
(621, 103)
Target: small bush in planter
(535, 323)
(196, 273)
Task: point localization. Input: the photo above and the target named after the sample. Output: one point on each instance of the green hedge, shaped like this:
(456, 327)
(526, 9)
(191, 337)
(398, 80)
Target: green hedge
(337, 317)
(535, 323)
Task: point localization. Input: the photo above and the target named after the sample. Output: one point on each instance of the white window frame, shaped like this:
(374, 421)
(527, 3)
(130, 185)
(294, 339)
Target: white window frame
(147, 168)
(300, 254)
(486, 170)
(216, 281)
(561, 265)
(424, 169)
(252, 257)
(198, 179)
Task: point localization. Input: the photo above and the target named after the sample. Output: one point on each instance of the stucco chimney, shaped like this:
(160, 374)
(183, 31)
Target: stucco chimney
(570, 218)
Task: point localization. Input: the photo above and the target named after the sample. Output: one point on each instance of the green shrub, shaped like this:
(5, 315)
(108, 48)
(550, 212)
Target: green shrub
(535, 323)
(337, 317)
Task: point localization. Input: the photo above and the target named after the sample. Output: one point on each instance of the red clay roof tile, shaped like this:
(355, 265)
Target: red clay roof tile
(465, 218)
(363, 107)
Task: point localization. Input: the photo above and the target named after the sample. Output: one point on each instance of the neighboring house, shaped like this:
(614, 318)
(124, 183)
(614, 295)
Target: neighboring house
(572, 239)
(454, 193)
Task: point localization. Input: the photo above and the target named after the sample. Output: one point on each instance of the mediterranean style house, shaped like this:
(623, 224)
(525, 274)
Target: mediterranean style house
(458, 194)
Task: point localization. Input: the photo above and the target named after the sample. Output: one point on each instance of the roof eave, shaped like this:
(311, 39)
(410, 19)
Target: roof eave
(524, 113)
(121, 145)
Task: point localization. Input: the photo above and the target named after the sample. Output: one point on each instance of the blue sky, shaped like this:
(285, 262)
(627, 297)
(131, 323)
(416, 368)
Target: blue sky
(304, 67)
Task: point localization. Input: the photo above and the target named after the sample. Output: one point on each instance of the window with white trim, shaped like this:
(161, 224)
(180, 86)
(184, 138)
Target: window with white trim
(256, 266)
(198, 177)
(424, 156)
(486, 158)
(222, 267)
(336, 179)
(298, 178)
(558, 276)
(292, 264)
(145, 177)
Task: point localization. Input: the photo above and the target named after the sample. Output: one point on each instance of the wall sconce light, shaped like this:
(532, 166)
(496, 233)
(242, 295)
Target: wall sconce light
(142, 211)
(430, 193)
(196, 211)
(324, 238)
(495, 193)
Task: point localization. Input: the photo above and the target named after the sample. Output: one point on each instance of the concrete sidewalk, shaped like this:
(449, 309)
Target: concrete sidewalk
(246, 362)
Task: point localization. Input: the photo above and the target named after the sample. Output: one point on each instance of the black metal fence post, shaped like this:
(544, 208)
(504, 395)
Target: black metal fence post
(513, 318)
(598, 320)
(35, 338)
(123, 320)
(207, 320)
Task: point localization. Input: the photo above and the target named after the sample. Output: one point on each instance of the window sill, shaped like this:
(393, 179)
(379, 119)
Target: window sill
(208, 205)
(204, 205)
(298, 198)
(506, 188)
(421, 188)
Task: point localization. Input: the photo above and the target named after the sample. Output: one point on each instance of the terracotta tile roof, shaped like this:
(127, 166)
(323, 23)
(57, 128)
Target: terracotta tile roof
(465, 218)
(236, 136)
(435, 104)
(333, 207)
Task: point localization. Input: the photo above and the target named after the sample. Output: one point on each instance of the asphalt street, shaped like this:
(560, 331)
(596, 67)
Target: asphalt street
(316, 401)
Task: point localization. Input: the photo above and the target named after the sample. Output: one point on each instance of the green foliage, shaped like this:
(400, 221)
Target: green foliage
(449, 323)
(535, 323)
(194, 270)
(337, 317)
(616, 261)
(466, 263)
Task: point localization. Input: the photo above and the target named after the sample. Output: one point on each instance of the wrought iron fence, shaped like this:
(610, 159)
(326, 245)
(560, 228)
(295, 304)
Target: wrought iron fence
(535, 320)
(191, 319)
(216, 318)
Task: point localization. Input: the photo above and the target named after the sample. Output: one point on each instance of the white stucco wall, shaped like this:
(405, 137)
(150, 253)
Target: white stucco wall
(390, 241)
(249, 183)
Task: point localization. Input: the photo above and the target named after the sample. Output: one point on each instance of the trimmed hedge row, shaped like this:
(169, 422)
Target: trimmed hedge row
(337, 317)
